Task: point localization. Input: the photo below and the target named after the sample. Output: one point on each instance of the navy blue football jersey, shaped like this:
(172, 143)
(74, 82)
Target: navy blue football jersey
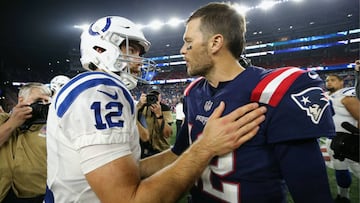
(262, 168)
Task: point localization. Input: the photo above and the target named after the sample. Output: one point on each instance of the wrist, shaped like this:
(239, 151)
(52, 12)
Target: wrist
(201, 150)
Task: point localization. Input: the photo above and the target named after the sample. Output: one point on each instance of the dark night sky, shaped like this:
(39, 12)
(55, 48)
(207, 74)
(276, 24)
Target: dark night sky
(34, 32)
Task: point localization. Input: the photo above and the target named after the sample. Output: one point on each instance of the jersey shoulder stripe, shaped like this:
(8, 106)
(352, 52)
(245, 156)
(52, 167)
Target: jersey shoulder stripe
(191, 85)
(271, 89)
(70, 92)
(349, 92)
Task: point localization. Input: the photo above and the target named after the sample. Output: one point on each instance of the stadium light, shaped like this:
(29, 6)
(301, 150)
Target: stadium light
(156, 24)
(174, 22)
(266, 5)
(82, 27)
(241, 9)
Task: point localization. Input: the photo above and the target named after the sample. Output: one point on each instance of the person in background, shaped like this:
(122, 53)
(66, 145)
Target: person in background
(270, 165)
(180, 116)
(92, 137)
(143, 131)
(347, 109)
(159, 121)
(57, 82)
(23, 147)
(1, 109)
(357, 78)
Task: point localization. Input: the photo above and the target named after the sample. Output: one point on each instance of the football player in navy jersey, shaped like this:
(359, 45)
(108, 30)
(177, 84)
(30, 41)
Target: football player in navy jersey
(92, 139)
(284, 156)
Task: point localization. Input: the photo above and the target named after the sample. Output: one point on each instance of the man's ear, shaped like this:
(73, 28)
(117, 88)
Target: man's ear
(216, 42)
(20, 99)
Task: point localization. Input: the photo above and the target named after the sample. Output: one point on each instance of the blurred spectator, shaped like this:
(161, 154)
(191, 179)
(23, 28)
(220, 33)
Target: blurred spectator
(180, 116)
(347, 109)
(142, 128)
(57, 82)
(158, 120)
(357, 78)
(23, 147)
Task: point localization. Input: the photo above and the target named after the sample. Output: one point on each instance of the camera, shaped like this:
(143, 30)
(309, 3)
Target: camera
(39, 115)
(151, 99)
(40, 111)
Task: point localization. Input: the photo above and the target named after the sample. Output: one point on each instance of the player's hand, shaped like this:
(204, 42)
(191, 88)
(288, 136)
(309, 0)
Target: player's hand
(20, 113)
(224, 134)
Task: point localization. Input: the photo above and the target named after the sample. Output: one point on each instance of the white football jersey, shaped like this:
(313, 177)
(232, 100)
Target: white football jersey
(93, 110)
(341, 113)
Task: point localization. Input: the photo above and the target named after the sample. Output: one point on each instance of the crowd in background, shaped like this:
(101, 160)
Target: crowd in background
(172, 92)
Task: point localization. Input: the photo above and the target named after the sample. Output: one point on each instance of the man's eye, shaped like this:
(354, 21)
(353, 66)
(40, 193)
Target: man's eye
(131, 51)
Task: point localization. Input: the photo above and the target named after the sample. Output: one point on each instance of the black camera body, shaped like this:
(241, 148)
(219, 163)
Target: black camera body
(346, 145)
(40, 111)
(151, 99)
(39, 115)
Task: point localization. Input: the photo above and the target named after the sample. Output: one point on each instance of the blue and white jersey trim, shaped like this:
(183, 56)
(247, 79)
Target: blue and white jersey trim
(69, 92)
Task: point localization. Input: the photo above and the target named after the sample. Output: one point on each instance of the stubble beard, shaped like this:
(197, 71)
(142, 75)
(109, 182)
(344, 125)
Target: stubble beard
(202, 66)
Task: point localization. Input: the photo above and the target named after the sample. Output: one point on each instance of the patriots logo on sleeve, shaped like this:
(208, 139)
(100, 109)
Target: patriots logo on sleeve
(313, 101)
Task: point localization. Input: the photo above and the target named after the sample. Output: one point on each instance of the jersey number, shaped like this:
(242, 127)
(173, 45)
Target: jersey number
(113, 109)
(229, 192)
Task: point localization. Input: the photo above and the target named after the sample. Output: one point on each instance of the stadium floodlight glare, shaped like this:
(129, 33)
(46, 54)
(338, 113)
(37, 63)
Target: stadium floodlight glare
(174, 22)
(241, 9)
(82, 27)
(140, 26)
(156, 24)
(266, 4)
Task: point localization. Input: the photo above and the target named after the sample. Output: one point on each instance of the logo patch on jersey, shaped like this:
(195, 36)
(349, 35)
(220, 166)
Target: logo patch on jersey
(313, 101)
(313, 75)
(208, 105)
(112, 96)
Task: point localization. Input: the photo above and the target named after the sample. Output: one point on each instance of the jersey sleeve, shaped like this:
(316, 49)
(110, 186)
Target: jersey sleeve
(298, 106)
(303, 179)
(182, 141)
(349, 92)
(101, 113)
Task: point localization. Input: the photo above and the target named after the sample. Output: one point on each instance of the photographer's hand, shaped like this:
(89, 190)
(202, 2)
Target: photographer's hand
(156, 109)
(20, 113)
(142, 101)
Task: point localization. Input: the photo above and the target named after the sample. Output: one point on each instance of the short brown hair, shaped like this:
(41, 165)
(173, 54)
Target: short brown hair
(222, 18)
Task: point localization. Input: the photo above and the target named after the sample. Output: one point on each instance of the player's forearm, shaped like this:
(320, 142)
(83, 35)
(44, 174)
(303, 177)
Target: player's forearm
(152, 164)
(176, 178)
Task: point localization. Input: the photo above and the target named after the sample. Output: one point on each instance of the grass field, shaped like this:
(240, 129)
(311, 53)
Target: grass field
(354, 190)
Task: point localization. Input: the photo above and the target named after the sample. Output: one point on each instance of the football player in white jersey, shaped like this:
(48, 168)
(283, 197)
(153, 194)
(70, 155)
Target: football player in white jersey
(92, 139)
(57, 82)
(347, 109)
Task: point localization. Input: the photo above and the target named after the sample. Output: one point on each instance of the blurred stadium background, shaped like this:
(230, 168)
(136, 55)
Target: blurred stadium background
(321, 35)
